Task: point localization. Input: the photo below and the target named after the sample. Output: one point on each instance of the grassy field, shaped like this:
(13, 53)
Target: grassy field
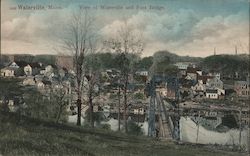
(24, 136)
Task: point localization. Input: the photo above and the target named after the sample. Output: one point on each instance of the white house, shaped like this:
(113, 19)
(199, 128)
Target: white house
(212, 94)
(27, 70)
(215, 74)
(40, 85)
(139, 110)
(8, 72)
(242, 88)
(182, 65)
(29, 81)
(142, 73)
(214, 83)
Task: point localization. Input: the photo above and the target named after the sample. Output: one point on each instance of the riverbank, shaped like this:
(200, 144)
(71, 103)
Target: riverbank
(26, 136)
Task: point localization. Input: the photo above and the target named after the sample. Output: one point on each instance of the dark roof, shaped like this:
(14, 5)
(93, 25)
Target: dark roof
(192, 70)
(204, 78)
(211, 91)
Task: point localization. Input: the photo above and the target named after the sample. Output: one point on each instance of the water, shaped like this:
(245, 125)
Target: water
(112, 122)
(189, 130)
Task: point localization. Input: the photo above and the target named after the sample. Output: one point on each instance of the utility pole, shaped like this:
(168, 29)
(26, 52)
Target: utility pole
(240, 127)
(214, 51)
(198, 127)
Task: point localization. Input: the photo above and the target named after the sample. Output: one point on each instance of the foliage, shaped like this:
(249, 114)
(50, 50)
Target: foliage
(145, 63)
(140, 78)
(45, 59)
(139, 96)
(19, 72)
(24, 57)
(162, 63)
(98, 117)
(105, 127)
(134, 129)
(10, 87)
(227, 64)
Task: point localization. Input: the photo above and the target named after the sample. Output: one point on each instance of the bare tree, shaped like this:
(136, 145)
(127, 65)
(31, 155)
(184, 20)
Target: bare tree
(127, 43)
(93, 77)
(78, 40)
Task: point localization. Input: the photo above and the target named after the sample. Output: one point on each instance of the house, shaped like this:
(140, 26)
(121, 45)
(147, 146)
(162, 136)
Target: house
(171, 88)
(215, 74)
(215, 93)
(40, 84)
(182, 65)
(192, 73)
(27, 70)
(29, 81)
(142, 72)
(139, 110)
(199, 87)
(242, 88)
(64, 61)
(212, 94)
(214, 83)
(8, 72)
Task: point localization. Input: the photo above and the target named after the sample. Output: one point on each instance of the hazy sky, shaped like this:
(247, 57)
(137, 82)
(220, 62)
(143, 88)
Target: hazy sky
(184, 27)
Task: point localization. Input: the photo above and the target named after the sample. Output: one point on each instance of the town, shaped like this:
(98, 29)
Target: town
(158, 99)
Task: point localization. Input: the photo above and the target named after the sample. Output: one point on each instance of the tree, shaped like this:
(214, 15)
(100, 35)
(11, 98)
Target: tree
(78, 41)
(60, 100)
(9, 88)
(145, 63)
(127, 43)
(93, 76)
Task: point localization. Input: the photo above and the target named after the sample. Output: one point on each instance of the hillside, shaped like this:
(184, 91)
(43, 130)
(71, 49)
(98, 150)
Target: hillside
(177, 58)
(227, 64)
(25, 136)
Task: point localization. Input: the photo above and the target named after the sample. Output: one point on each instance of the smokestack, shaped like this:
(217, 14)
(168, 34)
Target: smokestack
(236, 50)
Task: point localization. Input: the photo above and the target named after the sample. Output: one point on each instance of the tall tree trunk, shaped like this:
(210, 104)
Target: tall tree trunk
(79, 110)
(125, 105)
(119, 109)
(59, 114)
(91, 110)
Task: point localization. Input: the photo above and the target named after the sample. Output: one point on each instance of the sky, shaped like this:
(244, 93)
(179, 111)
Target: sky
(183, 27)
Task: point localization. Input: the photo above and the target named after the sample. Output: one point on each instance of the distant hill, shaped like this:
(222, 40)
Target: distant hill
(227, 64)
(177, 58)
(45, 59)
